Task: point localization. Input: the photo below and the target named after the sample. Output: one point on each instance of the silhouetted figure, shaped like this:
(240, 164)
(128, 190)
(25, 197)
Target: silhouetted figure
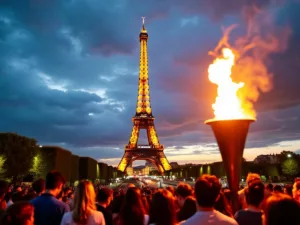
(162, 209)
(281, 210)
(252, 214)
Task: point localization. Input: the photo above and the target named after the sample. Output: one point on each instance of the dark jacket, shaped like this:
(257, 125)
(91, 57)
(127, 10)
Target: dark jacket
(48, 210)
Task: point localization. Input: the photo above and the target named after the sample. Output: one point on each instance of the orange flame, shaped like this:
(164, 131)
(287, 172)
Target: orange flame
(227, 105)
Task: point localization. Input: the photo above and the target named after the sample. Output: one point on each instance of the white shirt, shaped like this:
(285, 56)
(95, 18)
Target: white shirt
(209, 218)
(95, 218)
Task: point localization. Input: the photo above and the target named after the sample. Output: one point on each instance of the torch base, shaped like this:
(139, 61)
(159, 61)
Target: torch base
(231, 137)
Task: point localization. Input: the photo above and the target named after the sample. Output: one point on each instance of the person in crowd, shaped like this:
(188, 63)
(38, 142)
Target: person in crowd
(145, 203)
(70, 199)
(254, 197)
(288, 190)
(132, 210)
(250, 178)
(116, 206)
(223, 206)
(84, 209)
(269, 188)
(162, 209)
(186, 202)
(17, 196)
(20, 213)
(281, 209)
(48, 210)
(296, 191)
(171, 189)
(104, 198)
(3, 190)
(278, 189)
(207, 191)
(39, 186)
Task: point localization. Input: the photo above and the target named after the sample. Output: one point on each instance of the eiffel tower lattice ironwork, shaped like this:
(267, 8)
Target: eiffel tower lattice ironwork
(143, 119)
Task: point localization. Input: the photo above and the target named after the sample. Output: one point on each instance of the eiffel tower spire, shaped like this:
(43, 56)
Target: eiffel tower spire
(143, 107)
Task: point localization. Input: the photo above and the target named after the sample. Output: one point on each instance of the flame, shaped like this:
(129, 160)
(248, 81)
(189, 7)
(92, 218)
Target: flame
(227, 105)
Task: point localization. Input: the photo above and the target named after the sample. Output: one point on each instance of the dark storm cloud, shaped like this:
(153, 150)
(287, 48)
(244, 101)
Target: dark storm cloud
(69, 72)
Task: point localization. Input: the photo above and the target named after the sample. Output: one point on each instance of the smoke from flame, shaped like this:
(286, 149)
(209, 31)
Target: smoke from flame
(240, 70)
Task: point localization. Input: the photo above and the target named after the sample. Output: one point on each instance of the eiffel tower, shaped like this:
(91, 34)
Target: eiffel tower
(152, 152)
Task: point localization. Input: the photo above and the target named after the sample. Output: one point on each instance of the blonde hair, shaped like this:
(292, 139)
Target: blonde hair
(84, 202)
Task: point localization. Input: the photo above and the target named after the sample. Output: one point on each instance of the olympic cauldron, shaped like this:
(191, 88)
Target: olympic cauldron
(231, 137)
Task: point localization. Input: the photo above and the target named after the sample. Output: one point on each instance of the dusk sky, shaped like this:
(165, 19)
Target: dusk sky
(69, 73)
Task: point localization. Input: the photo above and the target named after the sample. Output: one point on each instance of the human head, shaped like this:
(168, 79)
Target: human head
(269, 187)
(162, 208)
(20, 213)
(255, 193)
(288, 190)
(171, 189)
(132, 210)
(182, 191)
(84, 201)
(281, 209)
(252, 177)
(55, 182)
(39, 186)
(296, 190)
(278, 189)
(207, 190)
(104, 196)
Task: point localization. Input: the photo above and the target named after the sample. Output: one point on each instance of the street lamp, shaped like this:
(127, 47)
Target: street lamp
(289, 155)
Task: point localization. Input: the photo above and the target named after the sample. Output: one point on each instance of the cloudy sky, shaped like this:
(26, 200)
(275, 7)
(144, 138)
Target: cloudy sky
(69, 73)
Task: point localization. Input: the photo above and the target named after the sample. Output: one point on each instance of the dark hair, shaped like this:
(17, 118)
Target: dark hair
(255, 193)
(278, 188)
(207, 190)
(3, 188)
(289, 190)
(132, 211)
(162, 208)
(17, 196)
(188, 209)
(39, 185)
(17, 214)
(184, 190)
(54, 179)
(104, 194)
(223, 206)
(281, 209)
(171, 189)
(269, 187)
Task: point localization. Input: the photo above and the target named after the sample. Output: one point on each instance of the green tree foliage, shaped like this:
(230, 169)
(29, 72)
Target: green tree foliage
(2, 169)
(19, 152)
(39, 167)
(290, 167)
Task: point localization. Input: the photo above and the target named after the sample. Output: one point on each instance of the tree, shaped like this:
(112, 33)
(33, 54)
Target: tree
(39, 166)
(2, 169)
(19, 152)
(290, 167)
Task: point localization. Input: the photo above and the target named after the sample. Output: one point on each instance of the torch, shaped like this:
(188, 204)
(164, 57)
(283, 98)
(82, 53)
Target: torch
(231, 123)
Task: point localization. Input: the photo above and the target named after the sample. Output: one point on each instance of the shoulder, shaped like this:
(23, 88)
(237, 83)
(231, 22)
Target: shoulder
(61, 204)
(146, 219)
(98, 216)
(225, 219)
(67, 218)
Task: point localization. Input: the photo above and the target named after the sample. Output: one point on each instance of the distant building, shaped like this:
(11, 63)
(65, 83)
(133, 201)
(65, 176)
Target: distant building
(267, 159)
(141, 170)
(174, 165)
(151, 166)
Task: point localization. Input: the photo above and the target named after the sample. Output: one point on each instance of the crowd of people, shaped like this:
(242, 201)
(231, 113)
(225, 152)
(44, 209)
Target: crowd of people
(49, 202)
